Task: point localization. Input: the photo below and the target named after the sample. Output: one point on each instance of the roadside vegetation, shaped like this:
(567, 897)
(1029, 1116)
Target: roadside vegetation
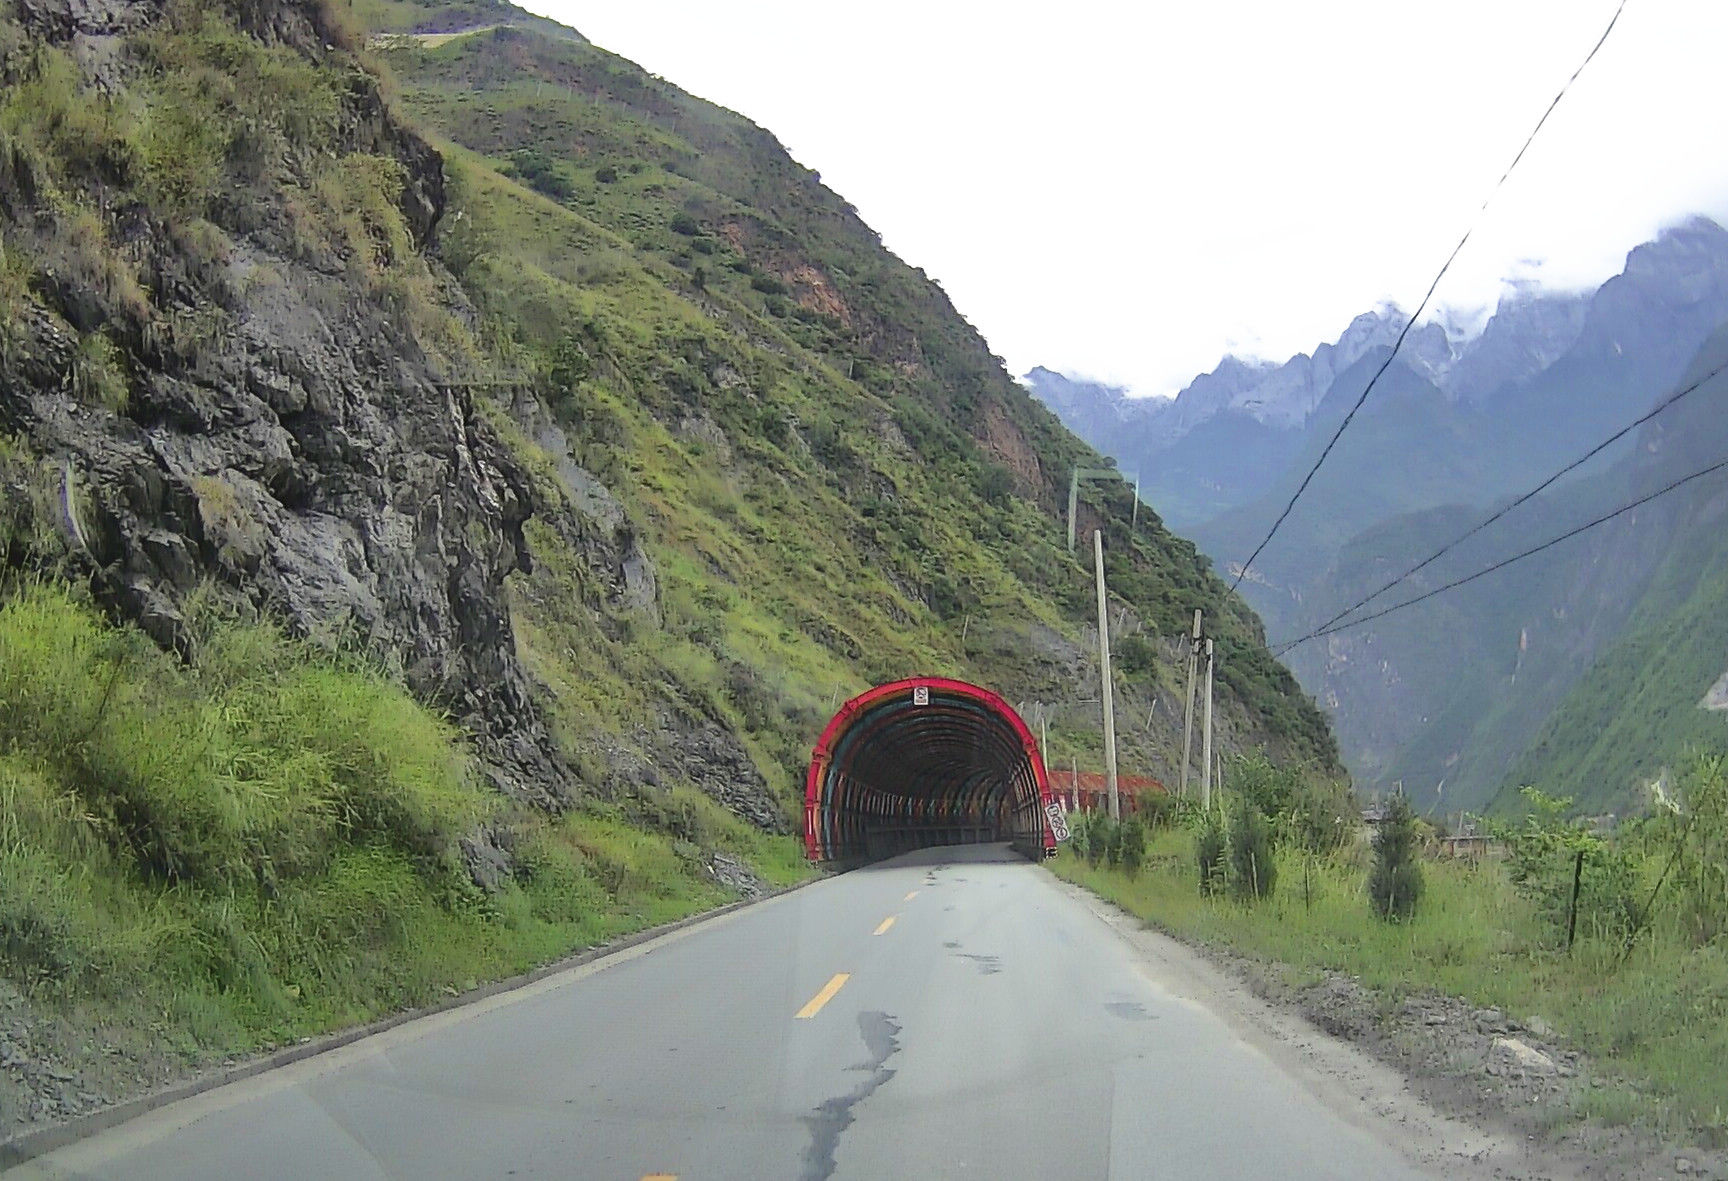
(771, 466)
(262, 843)
(1643, 987)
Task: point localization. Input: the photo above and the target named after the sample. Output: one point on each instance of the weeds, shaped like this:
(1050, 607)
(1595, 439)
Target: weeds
(1658, 1013)
(96, 375)
(262, 843)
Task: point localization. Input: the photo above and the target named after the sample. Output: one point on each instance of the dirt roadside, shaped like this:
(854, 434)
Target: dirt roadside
(1465, 1091)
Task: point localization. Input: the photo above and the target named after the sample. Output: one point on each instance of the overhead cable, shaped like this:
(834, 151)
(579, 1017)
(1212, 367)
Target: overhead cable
(1423, 306)
(1522, 498)
(1505, 562)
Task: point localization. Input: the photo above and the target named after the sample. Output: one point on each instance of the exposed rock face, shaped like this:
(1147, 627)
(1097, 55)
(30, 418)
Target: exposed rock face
(303, 460)
(710, 757)
(594, 524)
(1717, 698)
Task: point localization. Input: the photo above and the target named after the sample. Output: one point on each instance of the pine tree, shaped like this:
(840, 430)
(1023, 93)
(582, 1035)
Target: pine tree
(1395, 882)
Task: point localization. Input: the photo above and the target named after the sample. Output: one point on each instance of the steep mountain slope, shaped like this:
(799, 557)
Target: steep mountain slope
(513, 462)
(920, 466)
(1429, 699)
(1581, 671)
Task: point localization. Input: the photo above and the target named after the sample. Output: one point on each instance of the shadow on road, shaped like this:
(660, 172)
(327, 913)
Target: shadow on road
(937, 856)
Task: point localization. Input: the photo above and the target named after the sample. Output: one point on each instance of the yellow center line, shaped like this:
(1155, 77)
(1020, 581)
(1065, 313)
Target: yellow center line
(659, 1177)
(912, 895)
(886, 923)
(826, 995)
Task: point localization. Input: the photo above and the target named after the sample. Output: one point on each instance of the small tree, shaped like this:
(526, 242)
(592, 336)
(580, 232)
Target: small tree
(1395, 882)
(1098, 839)
(1112, 830)
(1253, 872)
(1131, 837)
(1079, 835)
(1209, 853)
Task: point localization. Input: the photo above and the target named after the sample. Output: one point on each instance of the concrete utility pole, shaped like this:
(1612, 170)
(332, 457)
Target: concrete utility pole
(1104, 673)
(1206, 740)
(1097, 473)
(1188, 713)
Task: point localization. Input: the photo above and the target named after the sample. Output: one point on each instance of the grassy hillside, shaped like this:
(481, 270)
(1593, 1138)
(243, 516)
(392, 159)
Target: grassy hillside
(774, 350)
(1635, 712)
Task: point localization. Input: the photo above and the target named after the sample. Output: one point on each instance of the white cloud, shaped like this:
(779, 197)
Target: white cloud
(1131, 191)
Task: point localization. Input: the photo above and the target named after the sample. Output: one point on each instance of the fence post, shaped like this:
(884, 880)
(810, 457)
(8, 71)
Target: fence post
(1572, 911)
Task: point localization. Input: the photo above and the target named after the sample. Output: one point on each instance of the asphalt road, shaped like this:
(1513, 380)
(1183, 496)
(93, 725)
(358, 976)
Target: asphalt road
(955, 1013)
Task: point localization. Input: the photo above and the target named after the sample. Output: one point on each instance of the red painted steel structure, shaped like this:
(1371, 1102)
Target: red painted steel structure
(924, 761)
(1093, 790)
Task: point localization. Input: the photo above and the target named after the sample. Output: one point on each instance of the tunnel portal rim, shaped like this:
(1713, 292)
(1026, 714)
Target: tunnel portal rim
(856, 708)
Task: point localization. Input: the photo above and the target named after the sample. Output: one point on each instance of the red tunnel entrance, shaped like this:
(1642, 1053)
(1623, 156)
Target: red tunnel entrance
(925, 761)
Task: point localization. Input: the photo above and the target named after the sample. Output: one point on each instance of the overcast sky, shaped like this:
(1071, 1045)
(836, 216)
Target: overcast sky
(1130, 191)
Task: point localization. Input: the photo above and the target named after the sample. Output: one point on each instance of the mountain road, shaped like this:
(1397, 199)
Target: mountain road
(950, 1013)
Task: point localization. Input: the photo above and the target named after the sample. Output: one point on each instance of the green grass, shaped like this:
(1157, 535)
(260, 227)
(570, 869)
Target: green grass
(262, 845)
(1659, 1017)
(865, 494)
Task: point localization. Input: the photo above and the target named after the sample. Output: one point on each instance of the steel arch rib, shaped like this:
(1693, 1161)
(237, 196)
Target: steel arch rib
(824, 821)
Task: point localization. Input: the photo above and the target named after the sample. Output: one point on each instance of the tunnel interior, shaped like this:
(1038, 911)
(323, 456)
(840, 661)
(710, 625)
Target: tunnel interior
(922, 762)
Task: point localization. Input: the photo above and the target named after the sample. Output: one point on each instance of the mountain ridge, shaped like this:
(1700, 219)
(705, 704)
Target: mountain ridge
(1433, 450)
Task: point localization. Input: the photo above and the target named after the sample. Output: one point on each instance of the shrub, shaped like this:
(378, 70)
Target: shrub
(1132, 842)
(1209, 853)
(1542, 857)
(1323, 816)
(546, 176)
(1078, 832)
(1100, 839)
(996, 485)
(1136, 655)
(606, 174)
(1395, 882)
(683, 223)
(1158, 809)
(1253, 869)
(570, 363)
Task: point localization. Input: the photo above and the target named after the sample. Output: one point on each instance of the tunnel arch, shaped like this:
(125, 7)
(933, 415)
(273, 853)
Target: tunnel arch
(924, 761)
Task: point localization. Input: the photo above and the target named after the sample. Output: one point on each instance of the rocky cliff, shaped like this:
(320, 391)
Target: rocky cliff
(256, 411)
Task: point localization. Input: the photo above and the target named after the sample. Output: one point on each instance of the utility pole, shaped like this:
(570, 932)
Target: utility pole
(1097, 473)
(1104, 673)
(1073, 504)
(1206, 740)
(1188, 713)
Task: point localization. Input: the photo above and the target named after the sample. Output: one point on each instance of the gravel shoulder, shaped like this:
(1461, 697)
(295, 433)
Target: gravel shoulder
(1470, 1092)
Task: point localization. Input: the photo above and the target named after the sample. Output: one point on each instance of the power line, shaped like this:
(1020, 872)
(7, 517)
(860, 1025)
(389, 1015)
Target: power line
(1487, 521)
(1423, 306)
(1502, 564)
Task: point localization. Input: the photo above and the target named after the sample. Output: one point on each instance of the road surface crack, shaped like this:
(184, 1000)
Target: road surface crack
(881, 1039)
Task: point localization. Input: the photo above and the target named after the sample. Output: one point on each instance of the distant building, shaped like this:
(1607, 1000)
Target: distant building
(1092, 792)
